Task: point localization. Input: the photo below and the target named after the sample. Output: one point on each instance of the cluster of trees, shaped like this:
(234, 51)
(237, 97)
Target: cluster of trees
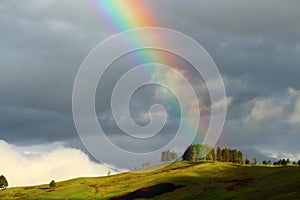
(229, 155)
(282, 162)
(167, 156)
(252, 161)
(205, 152)
(267, 162)
(199, 152)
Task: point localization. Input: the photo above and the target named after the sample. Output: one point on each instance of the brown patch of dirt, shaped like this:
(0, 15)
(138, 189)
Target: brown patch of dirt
(237, 182)
(181, 167)
(95, 187)
(148, 192)
(28, 188)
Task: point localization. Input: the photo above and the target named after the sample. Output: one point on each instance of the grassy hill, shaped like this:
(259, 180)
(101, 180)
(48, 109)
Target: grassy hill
(181, 180)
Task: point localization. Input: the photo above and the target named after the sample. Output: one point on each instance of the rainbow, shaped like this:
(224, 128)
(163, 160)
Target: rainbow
(123, 15)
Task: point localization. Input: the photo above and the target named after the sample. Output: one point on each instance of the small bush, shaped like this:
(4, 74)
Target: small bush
(52, 184)
(3, 183)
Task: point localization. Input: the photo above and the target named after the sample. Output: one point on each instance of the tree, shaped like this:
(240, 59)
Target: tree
(174, 155)
(288, 161)
(298, 162)
(52, 184)
(226, 155)
(3, 183)
(255, 161)
(265, 162)
(163, 156)
(194, 155)
(213, 154)
(219, 155)
(240, 159)
(168, 156)
(247, 162)
(190, 153)
(187, 155)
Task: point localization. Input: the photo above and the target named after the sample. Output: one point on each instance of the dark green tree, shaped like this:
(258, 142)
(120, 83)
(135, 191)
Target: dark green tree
(213, 154)
(190, 153)
(283, 162)
(226, 155)
(265, 162)
(3, 183)
(219, 155)
(240, 157)
(52, 184)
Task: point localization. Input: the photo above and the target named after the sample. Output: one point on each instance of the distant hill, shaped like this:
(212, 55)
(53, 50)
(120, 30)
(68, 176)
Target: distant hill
(180, 180)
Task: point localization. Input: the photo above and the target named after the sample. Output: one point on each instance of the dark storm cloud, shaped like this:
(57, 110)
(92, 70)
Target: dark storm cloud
(23, 125)
(255, 44)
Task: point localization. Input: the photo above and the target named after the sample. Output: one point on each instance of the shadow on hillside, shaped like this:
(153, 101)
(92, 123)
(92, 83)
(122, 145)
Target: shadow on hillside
(148, 192)
(44, 188)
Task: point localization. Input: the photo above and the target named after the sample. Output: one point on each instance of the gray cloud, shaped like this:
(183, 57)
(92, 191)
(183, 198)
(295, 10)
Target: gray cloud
(255, 44)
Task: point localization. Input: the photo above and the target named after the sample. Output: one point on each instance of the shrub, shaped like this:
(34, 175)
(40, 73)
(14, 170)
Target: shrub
(52, 184)
(3, 182)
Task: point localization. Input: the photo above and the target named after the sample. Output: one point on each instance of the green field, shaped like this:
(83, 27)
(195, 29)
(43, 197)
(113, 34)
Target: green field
(197, 181)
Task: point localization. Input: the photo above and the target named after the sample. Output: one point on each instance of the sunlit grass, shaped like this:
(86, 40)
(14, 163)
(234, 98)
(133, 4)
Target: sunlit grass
(201, 180)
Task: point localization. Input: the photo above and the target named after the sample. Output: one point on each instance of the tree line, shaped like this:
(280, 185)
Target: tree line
(286, 162)
(205, 152)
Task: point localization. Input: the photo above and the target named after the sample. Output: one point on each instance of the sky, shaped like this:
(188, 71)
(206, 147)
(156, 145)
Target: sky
(255, 45)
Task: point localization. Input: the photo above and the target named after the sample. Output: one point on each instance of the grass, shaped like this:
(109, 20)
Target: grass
(200, 181)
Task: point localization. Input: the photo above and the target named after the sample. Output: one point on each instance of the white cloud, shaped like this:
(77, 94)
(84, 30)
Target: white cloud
(279, 155)
(293, 92)
(274, 113)
(219, 105)
(36, 167)
(263, 108)
(144, 117)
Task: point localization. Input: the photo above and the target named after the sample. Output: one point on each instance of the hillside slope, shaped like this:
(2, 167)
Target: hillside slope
(181, 180)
